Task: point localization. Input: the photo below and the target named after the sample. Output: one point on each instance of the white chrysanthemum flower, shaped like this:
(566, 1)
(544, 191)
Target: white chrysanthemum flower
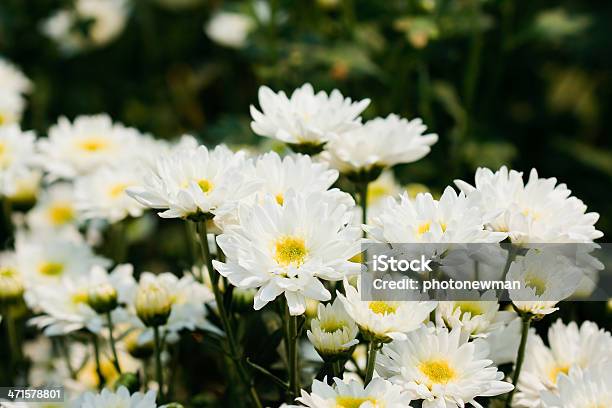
(104, 19)
(120, 399)
(305, 120)
(570, 347)
(590, 388)
(380, 143)
(84, 145)
(17, 156)
(476, 317)
(191, 182)
(450, 220)
(230, 29)
(67, 307)
(12, 79)
(384, 320)
(438, 367)
(333, 332)
(182, 301)
(11, 108)
(54, 210)
(46, 259)
(351, 393)
(286, 249)
(536, 211)
(545, 277)
(102, 194)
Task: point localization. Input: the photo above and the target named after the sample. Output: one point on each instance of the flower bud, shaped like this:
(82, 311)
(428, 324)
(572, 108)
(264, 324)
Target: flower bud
(11, 286)
(102, 298)
(153, 304)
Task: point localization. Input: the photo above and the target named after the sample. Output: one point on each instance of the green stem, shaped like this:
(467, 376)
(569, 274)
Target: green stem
(66, 355)
(96, 347)
(112, 342)
(159, 376)
(372, 350)
(292, 355)
(14, 343)
(225, 320)
(362, 192)
(519, 357)
(337, 369)
(512, 250)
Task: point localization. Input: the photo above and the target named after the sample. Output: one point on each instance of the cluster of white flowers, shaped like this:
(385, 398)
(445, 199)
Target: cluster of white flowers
(282, 233)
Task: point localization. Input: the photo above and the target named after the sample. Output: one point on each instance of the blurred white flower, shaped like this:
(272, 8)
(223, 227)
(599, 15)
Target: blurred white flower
(11, 281)
(384, 321)
(571, 347)
(379, 143)
(351, 393)
(102, 194)
(450, 220)
(230, 29)
(11, 108)
(84, 145)
(333, 332)
(120, 398)
(66, 304)
(305, 121)
(536, 211)
(195, 181)
(17, 156)
(90, 23)
(184, 297)
(589, 388)
(545, 277)
(54, 210)
(435, 365)
(13, 86)
(286, 249)
(26, 187)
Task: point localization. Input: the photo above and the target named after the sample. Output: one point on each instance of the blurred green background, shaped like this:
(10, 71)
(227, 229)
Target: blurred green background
(502, 82)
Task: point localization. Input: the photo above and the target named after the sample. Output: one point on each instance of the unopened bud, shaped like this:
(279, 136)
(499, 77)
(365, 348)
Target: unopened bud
(102, 298)
(153, 304)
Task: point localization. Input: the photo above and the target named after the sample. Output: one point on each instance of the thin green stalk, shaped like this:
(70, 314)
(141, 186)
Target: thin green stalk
(511, 255)
(96, 347)
(519, 357)
(225, 320)
(372, 350)
(14, 343)
(337, 369)
(66, 356)
(292, 355)
(362, 191)
(159, 375)
(112, 342)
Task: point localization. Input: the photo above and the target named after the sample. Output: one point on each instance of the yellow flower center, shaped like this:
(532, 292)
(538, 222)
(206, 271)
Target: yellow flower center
(556, 370)
(280, 199)
(331, 325)
(473, 308)
(93, 144)
(2, 119)
(61, 213)
(437, 371)
(382, 308)
(531, 213)
(423, 228)
(79, 297)
(4, 157)
(353, 402)
(117, 190)
(6, 272)
(290, 251)
(51, 268)
(376, 192)
(536, 283)
(205, 185)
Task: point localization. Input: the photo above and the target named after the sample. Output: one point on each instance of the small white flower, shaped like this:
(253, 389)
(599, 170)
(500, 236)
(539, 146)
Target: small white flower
(305, 118)
(380, 143)
(570, 347)
(546, 278)
(66, 304)
(384, 320)
(333, 333)
(590, 388)
(193, 181)
(84, 145)
(17, 156)
(121, 398)
(54, 210)
(286, 249)
(230, 29)
(438, 367)
(378, 393)
(102, 195)
(536, 211)
(12, 79)
(106, 20)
